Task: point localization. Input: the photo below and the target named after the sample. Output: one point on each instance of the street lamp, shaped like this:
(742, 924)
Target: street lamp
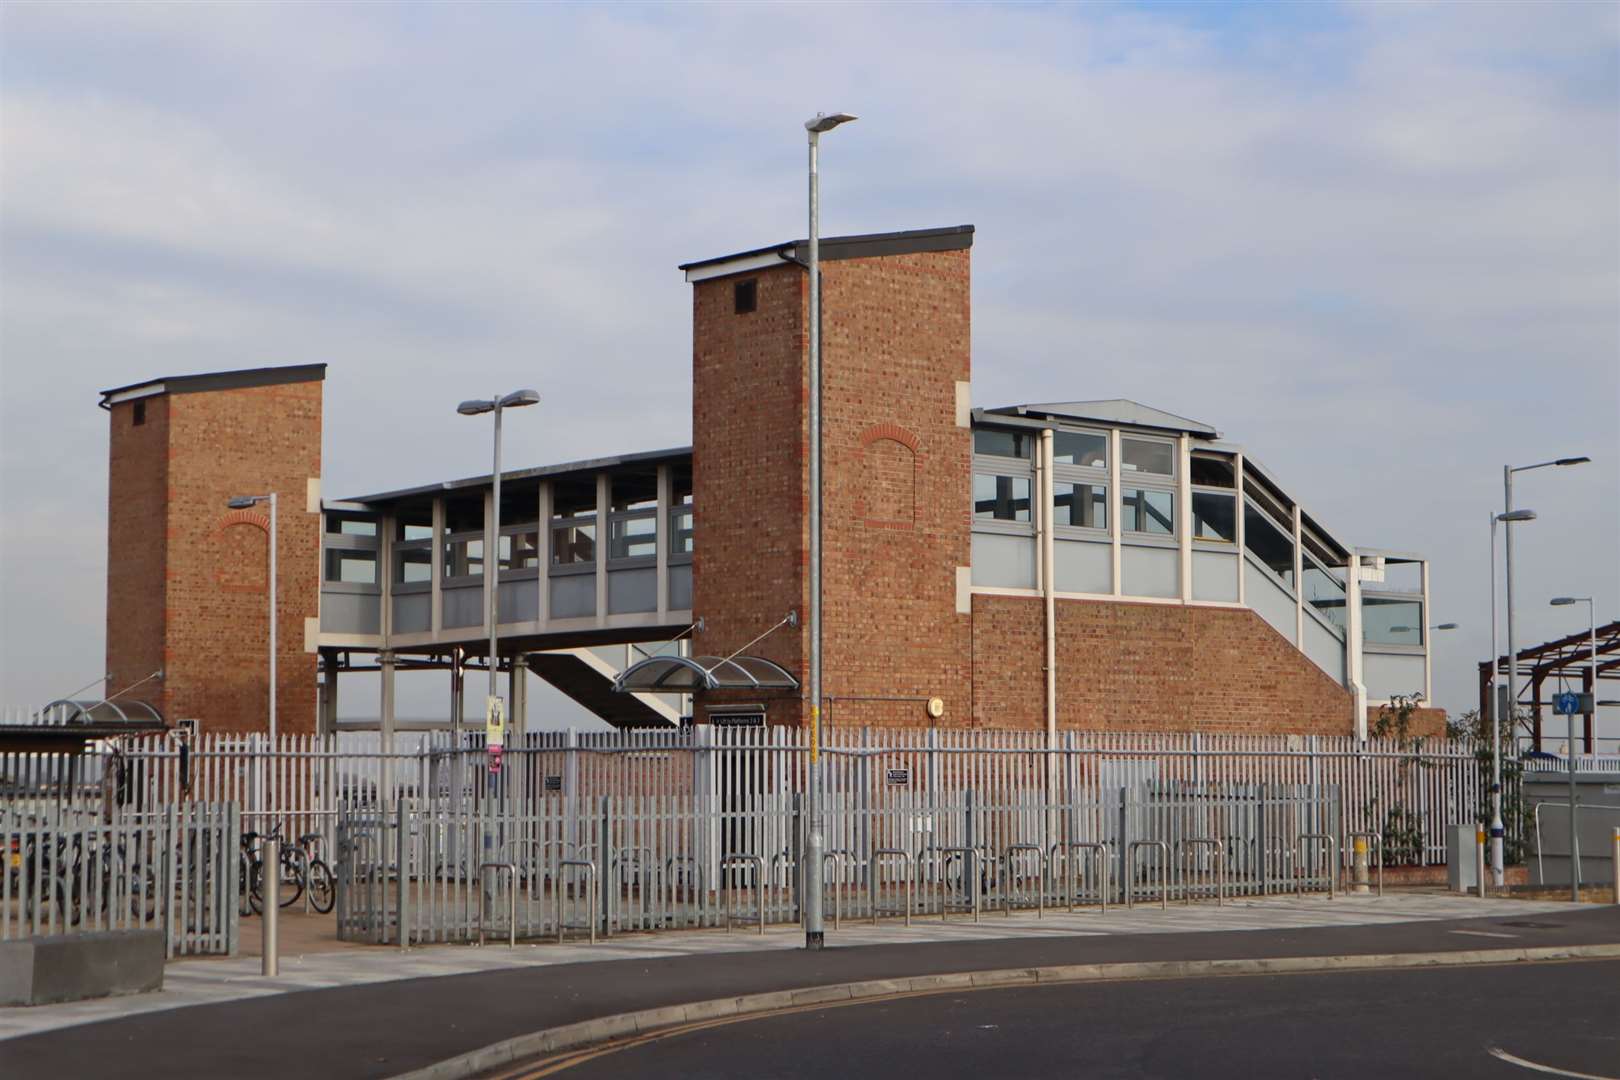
(814, 935)
(1512, 641)
(1511, 517)
(247, 502)
(492, 559)
(1591, 618)
(1444, 626)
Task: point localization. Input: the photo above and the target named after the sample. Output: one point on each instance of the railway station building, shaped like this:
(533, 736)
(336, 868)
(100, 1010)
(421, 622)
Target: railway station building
(1084, 564)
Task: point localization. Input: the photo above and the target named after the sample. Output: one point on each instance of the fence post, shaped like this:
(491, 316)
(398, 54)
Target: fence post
(403, 814)
(605, 850)
(1124, 843)
(797, 837)
(269, 945)
(171, 819)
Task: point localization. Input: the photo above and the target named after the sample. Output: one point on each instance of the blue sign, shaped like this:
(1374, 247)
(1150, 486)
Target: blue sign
(1566, 704)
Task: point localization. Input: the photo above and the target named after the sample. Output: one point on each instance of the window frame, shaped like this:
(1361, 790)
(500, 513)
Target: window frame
(1099, 477)
(1015, 468)
(1287, 534)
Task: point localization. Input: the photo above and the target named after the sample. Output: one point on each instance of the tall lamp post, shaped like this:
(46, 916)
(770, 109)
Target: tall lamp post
(1512, 641)
(247, 502)
(1497, 872)
(814, 934)
(1591, 619)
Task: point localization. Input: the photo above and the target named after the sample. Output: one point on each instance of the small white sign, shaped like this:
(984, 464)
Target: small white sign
(494, 721)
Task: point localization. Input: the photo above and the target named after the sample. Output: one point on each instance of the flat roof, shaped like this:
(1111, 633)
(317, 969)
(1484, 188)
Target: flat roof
(863, 246)
(1120, 411)
(589, 465)
(215, 380)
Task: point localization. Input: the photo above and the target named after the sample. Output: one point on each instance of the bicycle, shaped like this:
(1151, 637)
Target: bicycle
(321, 882)
(251, 869)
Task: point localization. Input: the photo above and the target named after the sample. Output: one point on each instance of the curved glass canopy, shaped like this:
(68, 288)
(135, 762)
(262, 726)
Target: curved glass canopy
(686, 674)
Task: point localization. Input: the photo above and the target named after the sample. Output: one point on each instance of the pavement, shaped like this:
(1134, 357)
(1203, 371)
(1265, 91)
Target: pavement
(379, 1012)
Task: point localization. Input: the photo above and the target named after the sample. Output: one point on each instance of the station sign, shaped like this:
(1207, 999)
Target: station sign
(898, 777)
(553, 783)
(1571, 704)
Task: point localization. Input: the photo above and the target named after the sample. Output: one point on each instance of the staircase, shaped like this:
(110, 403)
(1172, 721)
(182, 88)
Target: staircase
(587, 677)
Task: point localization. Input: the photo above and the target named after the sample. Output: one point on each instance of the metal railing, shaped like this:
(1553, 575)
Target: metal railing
(1130, 871)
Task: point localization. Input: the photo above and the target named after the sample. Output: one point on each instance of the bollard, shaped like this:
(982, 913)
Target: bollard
(271, 849)
(1614, 866)
(1359, 866)
(1479, 860)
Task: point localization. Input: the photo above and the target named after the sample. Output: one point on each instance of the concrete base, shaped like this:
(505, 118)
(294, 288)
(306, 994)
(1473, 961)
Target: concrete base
(72, 967)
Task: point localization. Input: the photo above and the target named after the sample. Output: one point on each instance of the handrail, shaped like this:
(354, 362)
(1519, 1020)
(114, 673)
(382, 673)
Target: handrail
(890, 853)
(589, 868)
(1130, 872)
(969, 878)
(726, 863)
(1379, 838)
(1219, 848)
(1100, 853)
(1040, 888)
(1299, 859)
(511, 900)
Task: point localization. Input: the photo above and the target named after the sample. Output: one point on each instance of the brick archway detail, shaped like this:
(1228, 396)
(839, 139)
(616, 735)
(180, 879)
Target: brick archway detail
(888, 487)
(233, 578)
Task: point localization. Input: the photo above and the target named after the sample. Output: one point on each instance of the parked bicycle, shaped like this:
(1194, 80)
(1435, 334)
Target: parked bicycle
(301, 867)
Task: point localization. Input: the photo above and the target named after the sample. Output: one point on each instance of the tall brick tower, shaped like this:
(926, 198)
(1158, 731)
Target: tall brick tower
(896, 461)
(187, 577)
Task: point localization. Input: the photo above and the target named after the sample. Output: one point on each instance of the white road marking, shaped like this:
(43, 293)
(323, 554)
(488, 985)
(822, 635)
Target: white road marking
(1483, 933)
(1498, 1052)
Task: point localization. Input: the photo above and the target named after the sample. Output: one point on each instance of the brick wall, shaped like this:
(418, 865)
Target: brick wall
(1148, 667)
(208, 579)
(895, 341)
(137, 539)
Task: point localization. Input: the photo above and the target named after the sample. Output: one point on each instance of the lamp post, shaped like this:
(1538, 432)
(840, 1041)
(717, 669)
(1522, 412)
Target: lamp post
(814, 935)
(1497, 832)
(1591, 619)
(246, 502)
(1512, 641)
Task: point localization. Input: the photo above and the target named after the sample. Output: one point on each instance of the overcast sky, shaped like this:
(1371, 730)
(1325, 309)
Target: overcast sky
(1379, 245)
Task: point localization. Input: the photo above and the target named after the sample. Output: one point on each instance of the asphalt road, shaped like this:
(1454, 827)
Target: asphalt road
(1417, 1023)
(381, 1029)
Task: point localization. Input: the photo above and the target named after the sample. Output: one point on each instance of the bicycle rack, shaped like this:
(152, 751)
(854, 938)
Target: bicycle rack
(1099, 852)
(905, 858)
(1040, 877)
(785, 858)
(1219, 849)
(1377, 838)
(589, 869)
(727, 863)
(841, 859)
(511, 899)
(971, 880)
(693, 876)
(1130, 872)
(644, 867)
(1299, 861)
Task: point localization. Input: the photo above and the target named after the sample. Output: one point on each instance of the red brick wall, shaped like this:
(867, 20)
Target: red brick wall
(209, 573)
(1149, 667)
(895, 343)
(137, 535)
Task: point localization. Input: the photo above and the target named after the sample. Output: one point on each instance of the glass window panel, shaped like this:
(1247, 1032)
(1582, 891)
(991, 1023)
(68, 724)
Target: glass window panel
(1085, 448)
(1214, 517)
(1083, 505)
(351, 566)
(633, 538)
(520, 551)
(464, 558)
(414, 523)
(351, 524)
(1147, 456)
(1273, 547)
(680, 532)
(463, 515)
(1326, 593)
(1145, 510)
(680, 485)
(1013, 444)
(573, 498)
(1389, 621)
(573, 544)
(413, 564)
(520, 507)
(1211, 471)
(1000, 498)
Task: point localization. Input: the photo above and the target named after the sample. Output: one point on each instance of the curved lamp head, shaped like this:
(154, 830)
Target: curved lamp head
(1572, 461)
(821, 122)
(1444, 626)
(474, 407)
(1563, 601)
(244, 502)
(1513, 516)
(519, 398)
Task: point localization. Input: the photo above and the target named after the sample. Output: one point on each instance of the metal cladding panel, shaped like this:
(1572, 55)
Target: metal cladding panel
(573, 596)
(1266, 595)
(520, 600)
(413, 613)
(680, 587)
(1083, 566)
(1389, 674)
(1150, 571)
(1215, 575)
(632, 590)
(463, 606)
(1006, 562)
(352, 613)
(1326, 649)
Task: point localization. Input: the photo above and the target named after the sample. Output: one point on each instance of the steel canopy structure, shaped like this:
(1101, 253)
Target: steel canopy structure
(1565, 658)
(687, 674)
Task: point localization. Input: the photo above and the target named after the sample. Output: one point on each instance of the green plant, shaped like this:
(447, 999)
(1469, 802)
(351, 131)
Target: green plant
(1402, 826)
(1516, 813)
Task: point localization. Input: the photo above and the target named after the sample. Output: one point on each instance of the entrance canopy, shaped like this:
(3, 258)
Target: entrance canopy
(686, 674)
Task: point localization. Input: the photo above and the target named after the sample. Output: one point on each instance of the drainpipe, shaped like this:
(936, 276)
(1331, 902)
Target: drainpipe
(1049, 588)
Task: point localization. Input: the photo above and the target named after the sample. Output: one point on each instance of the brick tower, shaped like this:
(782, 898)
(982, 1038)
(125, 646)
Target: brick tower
(187, 577)
(896, 463)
